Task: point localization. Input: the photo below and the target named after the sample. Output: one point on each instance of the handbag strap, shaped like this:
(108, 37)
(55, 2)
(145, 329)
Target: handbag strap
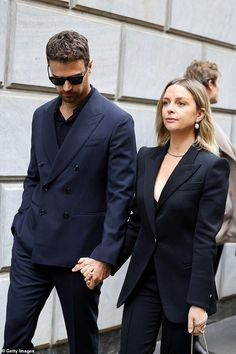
(205, 342)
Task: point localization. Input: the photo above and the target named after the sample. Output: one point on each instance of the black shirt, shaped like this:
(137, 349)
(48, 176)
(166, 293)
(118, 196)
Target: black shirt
(63, 125)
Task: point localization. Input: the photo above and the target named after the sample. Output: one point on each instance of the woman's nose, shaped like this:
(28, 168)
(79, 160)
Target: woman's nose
(170, 107)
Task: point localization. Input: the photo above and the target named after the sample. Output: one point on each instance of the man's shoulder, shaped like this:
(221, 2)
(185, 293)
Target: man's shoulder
(110, 109)
(224, 143)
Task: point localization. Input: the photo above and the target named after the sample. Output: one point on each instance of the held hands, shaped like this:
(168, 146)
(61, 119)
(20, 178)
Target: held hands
(197, 320)
(94, 271)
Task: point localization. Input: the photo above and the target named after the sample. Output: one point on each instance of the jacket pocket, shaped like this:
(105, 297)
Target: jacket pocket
(90, 213)
(94, 142)
(190, 186)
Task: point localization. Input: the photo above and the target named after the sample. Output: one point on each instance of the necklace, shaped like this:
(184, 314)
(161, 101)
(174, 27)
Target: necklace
(174, 155)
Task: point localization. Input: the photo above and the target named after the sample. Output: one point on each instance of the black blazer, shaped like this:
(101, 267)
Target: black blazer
(76, 199)
(182, 234)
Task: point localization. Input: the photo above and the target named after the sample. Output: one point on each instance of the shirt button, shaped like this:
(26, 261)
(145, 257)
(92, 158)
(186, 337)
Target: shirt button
(45, 188)
(41, 164)
(76, 167)
(66, 215)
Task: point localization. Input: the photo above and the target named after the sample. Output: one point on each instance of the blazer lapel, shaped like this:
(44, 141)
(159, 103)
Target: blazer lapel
(85, 124)
(183, 171)
(152, 165)
(49, 132)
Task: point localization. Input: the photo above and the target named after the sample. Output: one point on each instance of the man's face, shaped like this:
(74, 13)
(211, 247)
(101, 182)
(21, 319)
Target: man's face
(71, 93)
(213, 91)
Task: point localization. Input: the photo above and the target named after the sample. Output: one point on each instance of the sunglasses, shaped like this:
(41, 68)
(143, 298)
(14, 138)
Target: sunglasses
(73, 79)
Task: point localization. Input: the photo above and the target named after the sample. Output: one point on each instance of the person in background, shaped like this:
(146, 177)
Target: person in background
(207, 73)
(181, 189)
(76, 201)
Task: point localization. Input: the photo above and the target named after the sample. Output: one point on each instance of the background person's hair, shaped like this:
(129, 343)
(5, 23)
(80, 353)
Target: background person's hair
(205, 135)
(202, 71)
(68, 46)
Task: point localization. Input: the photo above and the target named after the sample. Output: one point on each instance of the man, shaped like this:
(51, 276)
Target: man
(208, 74)
(75, 202)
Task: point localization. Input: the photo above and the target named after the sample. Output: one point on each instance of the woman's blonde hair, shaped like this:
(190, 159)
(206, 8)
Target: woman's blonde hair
(205, 135)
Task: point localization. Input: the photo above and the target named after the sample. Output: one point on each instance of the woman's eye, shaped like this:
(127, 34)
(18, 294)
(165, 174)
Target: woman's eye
(165, 103)
(181, 104)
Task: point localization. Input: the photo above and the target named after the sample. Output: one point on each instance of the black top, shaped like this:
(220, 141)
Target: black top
(63, 125)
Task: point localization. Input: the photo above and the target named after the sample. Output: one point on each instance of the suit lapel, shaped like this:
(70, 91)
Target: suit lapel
(89, 118)
(49, 132)
(183, 171)
(152, 165)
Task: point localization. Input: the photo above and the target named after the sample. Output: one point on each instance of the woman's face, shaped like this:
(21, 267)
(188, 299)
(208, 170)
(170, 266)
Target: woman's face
(179, 110)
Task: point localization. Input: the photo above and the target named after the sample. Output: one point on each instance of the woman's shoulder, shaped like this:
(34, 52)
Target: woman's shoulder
(210, 159)
(144, 150)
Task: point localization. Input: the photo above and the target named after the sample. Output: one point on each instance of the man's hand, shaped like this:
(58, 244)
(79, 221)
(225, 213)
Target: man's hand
(94, 271)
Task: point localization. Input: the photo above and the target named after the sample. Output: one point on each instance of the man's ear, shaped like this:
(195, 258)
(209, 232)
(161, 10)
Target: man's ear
(90, 66)
(211, 85)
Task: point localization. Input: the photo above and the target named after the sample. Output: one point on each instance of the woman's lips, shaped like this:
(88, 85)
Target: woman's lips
(170, 120)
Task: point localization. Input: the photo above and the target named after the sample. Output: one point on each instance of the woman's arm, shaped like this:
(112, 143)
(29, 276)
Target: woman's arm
(209, 220)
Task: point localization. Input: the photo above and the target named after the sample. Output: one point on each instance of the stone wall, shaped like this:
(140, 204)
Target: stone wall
(137, 47)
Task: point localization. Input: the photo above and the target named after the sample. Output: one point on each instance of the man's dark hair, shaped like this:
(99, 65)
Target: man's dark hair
(68, 46)
(202, 71)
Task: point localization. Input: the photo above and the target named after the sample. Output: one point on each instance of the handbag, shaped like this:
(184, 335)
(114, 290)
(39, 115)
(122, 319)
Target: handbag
(205, 343)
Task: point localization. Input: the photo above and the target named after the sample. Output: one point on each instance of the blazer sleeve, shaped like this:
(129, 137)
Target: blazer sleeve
(132, 226)
(209, 220)
(30, 182)
(120, 189)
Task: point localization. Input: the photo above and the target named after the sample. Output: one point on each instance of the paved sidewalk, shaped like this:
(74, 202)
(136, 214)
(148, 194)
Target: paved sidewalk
(221, 337)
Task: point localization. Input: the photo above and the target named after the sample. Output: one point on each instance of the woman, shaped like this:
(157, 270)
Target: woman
(178, 209)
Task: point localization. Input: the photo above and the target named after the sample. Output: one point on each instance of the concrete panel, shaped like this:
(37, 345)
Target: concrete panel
(10, 200)
(204, 18)
(224, 121)
(144, 123)
(225, 59)
(233, 136)
(59, 328)
(3, 33)
(29, 61)
(15, 127)
(152, 11)
(151, 60)
(226, 274)
(43, 333)
(4, 284)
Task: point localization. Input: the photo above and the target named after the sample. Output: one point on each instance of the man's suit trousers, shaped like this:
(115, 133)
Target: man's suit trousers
(29, 289)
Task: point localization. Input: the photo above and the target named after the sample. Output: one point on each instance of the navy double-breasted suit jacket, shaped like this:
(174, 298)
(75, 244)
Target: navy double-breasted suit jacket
(76, 199)
(179, 232)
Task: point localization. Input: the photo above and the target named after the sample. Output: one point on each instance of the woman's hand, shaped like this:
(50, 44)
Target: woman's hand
(197, 320)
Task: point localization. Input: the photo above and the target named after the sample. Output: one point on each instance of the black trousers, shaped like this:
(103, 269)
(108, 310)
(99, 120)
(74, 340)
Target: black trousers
(30, 286)
(142, 318)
